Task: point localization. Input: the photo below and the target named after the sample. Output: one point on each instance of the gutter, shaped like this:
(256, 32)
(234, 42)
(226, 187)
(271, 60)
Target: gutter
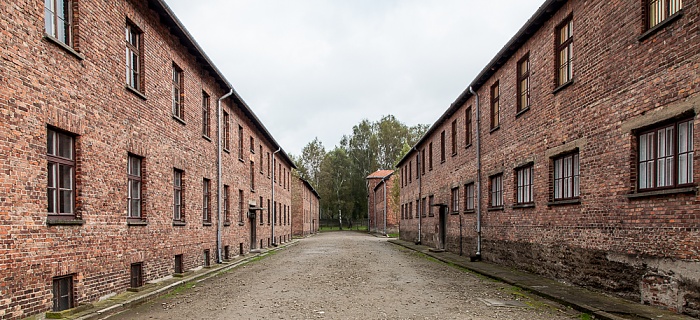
(219, 222)
(477, 255)
(274, 207)
(385, 201)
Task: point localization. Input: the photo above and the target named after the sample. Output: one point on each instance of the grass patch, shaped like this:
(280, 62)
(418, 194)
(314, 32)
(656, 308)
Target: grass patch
(181, 288)
(585, 316)
(393, 235)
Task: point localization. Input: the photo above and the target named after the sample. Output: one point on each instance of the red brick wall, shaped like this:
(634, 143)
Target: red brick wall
(304, 209)
(41, 85)
(377, 212)
(642, 248)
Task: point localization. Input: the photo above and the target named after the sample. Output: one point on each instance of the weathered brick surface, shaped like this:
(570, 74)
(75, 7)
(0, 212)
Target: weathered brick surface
(42, 84)
(645, 248)
(377, 211)
(305, 208)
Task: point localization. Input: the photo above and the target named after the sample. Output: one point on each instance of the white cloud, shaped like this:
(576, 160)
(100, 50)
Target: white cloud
(317, 67)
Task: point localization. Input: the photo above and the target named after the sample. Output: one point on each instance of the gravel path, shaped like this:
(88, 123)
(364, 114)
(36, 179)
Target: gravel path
(347, 275)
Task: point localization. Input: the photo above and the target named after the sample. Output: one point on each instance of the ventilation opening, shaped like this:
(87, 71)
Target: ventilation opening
(136, 274)
(62, 293)
(178, 263)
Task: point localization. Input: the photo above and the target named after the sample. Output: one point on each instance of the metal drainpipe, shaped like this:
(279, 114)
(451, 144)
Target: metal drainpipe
(374, 194)
(274, 207)
(385, 200)
(477, 256)
(219, 223)
(369, 230)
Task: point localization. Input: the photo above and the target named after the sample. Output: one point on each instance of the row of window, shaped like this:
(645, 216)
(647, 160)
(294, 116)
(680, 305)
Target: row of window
(664, 161)
(657, 12)
(61, 185)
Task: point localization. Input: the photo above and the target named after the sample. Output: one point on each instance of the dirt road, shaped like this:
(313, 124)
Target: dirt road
(347, 275)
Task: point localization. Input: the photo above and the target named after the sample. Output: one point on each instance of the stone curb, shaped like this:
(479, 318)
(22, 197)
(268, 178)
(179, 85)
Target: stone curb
(503, 273)
(118, 307)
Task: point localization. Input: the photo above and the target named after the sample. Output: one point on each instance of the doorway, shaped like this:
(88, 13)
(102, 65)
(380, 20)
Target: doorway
(443, 226)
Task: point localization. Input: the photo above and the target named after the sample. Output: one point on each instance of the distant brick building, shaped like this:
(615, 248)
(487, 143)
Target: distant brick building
(573, 156)
(305, 208)
(117, 169)
(382, 215)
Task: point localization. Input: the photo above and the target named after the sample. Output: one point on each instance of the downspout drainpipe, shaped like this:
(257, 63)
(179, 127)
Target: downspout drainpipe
(477, 256)
(420, 195)
(369, 229)
(374, 195)
(385, 200)
(274, 207)
(219, 223)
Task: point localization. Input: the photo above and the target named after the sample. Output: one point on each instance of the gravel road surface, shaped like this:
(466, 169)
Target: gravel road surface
(348, 275)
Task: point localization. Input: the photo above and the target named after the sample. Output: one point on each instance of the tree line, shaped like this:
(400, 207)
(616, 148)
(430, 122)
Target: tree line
(338, 175)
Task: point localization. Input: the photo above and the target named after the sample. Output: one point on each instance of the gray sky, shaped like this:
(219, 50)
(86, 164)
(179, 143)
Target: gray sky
(315, 68)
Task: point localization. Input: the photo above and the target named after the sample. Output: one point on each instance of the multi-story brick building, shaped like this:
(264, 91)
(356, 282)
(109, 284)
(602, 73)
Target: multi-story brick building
(125, 155)
(382, 214)
(572, 153)
(305, 207)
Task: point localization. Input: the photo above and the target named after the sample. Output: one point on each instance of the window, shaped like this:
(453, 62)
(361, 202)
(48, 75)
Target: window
(206, 200)
(666, 156)
(468, 126)
(179, 264)
(410, 171)
(430, 156)
(240, 142)
(206, 125)
(268, 164)
(58, 23)
(422, 162)
(178, 93)
(260, 204)
(177, 196)
(524, 83)
(417, 167)
(566, 177)
(252, 145)
(268, 212)
(410, 210)
(524, 178)
(240, 207)
(226, 204)
(469, 197)
(442, 146)
(227, 131)
(207, 255)
(454, 137)
(136, 275)
(423, 210)
(62, 293)
(134, 57)
(495, 106)
(455, 200)
(660, 10)
(497, 191)
(60, 156)
(565, 41)
(261, 162)
(134, 185)
(431, 202)
(402, 211)
(252, 176)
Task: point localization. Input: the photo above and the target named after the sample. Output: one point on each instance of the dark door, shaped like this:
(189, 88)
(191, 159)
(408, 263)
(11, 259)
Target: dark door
(443, 226)
(253, 229)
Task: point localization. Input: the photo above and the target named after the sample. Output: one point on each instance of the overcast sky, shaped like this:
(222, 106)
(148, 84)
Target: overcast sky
(315, 68)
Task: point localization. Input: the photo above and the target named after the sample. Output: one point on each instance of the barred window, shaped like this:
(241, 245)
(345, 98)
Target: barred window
(566, 177)
(524, 185)
(660, 10)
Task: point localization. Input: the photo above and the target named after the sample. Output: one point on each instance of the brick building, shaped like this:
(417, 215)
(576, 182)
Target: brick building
(382, 216)
(117, 169)
(571, 154)
(305, 208)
